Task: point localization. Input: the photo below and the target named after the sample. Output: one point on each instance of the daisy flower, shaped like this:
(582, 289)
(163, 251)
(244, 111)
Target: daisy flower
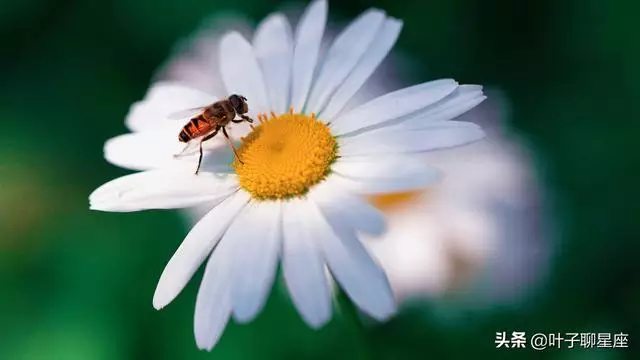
(482, 240)
(296, 196)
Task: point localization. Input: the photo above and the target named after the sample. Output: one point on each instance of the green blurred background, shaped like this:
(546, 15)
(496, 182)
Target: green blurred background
(76, 284)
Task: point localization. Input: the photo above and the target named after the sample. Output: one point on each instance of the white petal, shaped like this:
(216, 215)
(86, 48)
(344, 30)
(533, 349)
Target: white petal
(241, 72)
(162, 99)
(144, 150)
(393, 105)
(196, 246)
(256, 237)
(161, 189)
(384, 41)
(352, 267)
(354, 211)
(439, 135)
(305, 54)
(465, 98)
(273, 45)
(302, 266)
(343, 55)
(384, 174)
(213, 303)
(160, 148)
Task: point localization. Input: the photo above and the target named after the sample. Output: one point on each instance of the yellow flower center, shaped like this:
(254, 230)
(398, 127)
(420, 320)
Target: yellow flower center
(284, 156)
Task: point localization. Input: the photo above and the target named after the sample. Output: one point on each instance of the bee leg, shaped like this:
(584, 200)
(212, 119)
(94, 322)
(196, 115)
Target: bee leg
(246, 118)
(200, 146)
(182, 152)
(199, 158)
(226, 136)
(242, 120)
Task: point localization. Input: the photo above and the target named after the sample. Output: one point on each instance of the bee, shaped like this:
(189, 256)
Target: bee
(210, 119)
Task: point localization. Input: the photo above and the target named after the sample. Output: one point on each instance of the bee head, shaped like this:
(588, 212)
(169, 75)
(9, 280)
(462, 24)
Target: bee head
(239, 103)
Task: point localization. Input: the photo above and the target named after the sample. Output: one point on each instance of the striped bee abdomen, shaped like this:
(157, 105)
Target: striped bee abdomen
(197, 127)
(184, 136)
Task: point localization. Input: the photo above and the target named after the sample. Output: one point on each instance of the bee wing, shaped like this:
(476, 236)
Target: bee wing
(186, 113)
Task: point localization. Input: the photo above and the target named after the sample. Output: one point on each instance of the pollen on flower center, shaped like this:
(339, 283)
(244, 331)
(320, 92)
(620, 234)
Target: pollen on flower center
(284, 156)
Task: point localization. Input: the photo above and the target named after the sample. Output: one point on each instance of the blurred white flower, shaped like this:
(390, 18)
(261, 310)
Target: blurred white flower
(477, 232)
(296, 194)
